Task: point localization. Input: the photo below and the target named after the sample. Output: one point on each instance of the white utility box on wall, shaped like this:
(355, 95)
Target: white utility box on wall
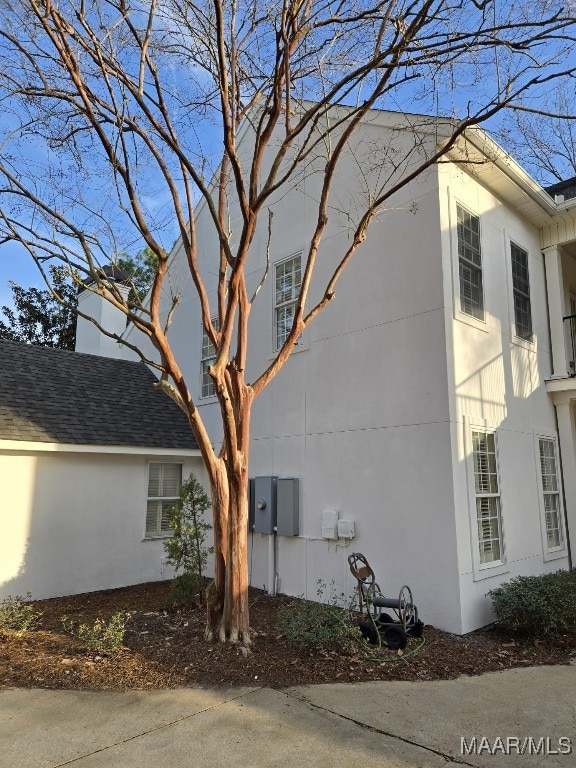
(329, 524)
(346, 529)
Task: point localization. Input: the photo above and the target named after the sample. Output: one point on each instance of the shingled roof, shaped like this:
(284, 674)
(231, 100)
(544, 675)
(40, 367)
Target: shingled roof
(566, 188)
(56, 396)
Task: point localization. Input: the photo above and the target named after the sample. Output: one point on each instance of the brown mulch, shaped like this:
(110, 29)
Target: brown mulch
(167, 649)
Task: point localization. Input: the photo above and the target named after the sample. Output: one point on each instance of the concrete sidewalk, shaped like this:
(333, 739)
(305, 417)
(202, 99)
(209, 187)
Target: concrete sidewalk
(387, 725)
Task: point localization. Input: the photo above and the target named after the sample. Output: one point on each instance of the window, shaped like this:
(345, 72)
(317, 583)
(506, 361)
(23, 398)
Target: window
(551, 492)
(521, 290)
(208, 357)
(164, 481)
(287, 287)
(470, 264)
(487, 497)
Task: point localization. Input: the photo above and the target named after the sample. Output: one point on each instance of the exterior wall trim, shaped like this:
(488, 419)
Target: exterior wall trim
(22, 446)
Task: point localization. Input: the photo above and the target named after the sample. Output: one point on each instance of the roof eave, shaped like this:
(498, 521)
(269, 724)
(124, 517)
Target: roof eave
(483, 158)
(133, 450)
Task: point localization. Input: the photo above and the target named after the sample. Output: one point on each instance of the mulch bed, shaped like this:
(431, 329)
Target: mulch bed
(165, 650)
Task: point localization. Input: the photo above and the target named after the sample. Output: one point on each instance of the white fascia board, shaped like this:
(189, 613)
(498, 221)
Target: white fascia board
(506, 163)
(29, 445)
(475, 147)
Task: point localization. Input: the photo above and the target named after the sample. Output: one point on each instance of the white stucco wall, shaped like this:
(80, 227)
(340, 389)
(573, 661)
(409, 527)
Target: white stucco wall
(373, 410)
(360, 413)
(75, 522)
(497, 382)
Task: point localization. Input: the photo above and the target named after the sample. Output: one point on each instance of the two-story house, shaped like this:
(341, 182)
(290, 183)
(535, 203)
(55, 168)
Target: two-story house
(431, 403)
(429, 408)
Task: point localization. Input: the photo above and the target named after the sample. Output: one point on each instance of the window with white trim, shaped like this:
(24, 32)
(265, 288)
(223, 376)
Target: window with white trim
(207, 360)
(521, 292)
(164, 482)
(288, 280)
(551, 492)
(487, 490)
(470, 264)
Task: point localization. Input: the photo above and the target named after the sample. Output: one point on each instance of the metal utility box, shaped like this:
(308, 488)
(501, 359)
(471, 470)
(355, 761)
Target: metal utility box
(265, 504)
(251, 504)
(288, 506)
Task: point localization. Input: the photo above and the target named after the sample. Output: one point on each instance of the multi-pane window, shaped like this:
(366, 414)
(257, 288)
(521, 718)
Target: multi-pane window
(521, 290)
(287, 288)
(208, 357)
(164, 481)
(551, 491)
(470, 264)
(487, 497)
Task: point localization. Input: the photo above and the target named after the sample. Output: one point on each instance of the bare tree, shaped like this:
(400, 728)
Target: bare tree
(112, 105)
(544, 138)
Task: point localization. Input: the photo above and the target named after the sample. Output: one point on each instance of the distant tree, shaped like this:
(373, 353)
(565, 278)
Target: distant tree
(39, 317)
(47, 317)
(140, 270)
(544, 141)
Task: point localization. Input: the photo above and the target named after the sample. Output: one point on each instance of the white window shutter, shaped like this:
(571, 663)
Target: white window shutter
(154, 480)
(152, 518)
(171, 479)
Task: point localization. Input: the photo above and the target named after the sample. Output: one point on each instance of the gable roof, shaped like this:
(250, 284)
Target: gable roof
(56, 396)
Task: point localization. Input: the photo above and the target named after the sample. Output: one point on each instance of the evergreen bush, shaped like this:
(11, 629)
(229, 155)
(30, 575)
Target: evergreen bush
(187, 550)
(17, 615)
(321, 624)
(537, 605)
(102, 636)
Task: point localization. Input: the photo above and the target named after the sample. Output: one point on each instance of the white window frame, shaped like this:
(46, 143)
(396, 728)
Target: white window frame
(550, 553)
(207, 358)
(160, 500)
(283, 305)
(473, 319)
(522, 340)
(493, 568)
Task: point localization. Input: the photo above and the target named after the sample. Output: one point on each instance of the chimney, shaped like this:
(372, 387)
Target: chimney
(88, 336)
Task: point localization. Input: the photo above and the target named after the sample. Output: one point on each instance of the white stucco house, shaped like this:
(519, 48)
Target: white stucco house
(91, 458)
(432, 402)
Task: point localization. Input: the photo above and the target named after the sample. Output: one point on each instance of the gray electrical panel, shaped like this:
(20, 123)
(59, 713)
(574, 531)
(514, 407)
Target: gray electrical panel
(288, 506)
(265, 504)
(251, 504)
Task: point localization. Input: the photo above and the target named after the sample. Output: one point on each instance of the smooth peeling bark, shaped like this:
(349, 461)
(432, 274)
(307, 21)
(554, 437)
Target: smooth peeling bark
(220, 513)
(235, 625)
(227, 597)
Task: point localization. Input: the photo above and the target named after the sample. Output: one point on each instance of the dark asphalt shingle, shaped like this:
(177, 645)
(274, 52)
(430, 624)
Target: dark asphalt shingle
(56, 396)
(566, 188)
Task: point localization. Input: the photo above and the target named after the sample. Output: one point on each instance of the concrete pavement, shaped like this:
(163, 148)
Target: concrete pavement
(384, 724)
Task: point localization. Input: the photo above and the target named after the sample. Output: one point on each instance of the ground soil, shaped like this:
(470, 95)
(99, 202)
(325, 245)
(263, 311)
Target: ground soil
(167, 649)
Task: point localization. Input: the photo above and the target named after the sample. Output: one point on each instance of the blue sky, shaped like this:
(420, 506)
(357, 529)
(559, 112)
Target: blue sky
(17, 265)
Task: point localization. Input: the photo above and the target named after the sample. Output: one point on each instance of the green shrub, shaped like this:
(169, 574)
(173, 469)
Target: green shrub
(537, 605)
(186, 550)
(17, 614)
(185, 590)
(102, 636)
(322, 624)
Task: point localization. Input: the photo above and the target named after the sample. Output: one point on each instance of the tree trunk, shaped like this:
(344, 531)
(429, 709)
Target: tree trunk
(227, 597)
(235, 619)
(220, 511)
